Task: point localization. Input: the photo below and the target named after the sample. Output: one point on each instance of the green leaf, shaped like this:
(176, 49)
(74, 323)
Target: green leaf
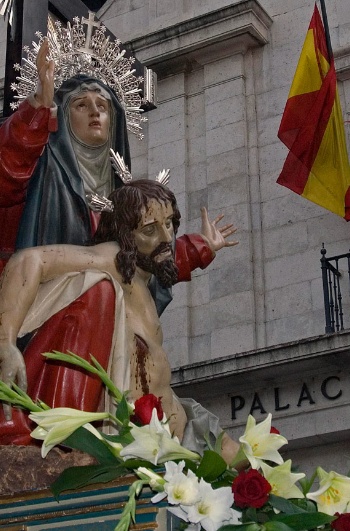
(250, 515)
(123, 438)
(224, 481)
(190, 465)
(122, 413)
(77, 477)
(285, 506)
(85, 441)
(303, 521)
(12, 394)
(132, 464)
(211, 466)
(243, 527)
(308, 505)
(277, 526)
(306, 483)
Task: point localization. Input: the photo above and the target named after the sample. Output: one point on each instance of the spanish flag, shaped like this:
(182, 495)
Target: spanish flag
(317, 166)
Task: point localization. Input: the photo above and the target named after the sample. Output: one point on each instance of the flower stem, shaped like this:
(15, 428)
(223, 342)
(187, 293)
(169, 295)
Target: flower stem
(129, 510)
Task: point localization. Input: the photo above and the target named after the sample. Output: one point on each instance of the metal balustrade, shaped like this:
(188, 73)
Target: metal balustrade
(333, 284)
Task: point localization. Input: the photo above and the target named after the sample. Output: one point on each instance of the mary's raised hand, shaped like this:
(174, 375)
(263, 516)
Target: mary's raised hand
(45, 88)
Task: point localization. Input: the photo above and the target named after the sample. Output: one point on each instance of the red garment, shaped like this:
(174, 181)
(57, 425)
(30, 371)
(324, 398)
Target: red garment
(17, 163)
(72, 329)
(191, 252)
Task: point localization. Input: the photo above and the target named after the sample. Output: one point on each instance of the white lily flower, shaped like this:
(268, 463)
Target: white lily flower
(146, 441)
(155, 444)
(57, 424)
(258, 443)
(333, 496)
(41, 434)
(170, 448)
(181, 512)
(160, 426)
(282, 480)
(235, 518)
(158, 497)
(213, 507)
(181, 488)
(172, 468)
(145, 445)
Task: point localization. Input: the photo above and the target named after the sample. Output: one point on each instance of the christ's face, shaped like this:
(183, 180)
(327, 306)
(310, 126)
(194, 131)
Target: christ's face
(154, 234)
(89, 118)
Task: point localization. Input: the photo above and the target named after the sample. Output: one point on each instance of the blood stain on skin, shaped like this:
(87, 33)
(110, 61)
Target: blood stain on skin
(141, 354)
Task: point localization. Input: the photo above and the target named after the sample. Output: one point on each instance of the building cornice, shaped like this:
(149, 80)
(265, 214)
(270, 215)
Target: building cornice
(236, 27)
(298, 357)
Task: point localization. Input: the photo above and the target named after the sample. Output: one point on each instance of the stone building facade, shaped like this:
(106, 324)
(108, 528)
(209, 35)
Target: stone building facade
(247, 334)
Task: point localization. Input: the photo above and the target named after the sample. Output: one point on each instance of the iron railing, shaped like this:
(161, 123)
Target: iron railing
(332, 289)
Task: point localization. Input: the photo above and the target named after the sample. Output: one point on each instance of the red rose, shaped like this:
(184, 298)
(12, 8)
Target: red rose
(342, 523)
(144, 407)
(250, 489)
(274, 430)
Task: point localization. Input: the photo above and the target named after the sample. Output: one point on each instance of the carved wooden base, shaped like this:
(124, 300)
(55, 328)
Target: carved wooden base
(22, 469)
(26, 503)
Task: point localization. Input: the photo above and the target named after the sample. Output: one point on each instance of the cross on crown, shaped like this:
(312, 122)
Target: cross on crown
(91, 23)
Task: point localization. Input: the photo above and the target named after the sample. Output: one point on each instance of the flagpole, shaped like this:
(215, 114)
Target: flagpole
(326, 28)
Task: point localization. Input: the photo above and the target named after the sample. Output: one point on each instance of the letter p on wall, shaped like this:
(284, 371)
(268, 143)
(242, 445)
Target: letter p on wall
(237, 403)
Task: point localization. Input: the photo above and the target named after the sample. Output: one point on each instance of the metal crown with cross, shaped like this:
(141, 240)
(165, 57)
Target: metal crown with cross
(83, 48)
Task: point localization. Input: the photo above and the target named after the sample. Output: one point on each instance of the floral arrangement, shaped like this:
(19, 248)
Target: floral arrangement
(257, 492)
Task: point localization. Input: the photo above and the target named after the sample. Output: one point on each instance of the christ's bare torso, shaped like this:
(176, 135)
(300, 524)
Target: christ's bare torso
(149, 366)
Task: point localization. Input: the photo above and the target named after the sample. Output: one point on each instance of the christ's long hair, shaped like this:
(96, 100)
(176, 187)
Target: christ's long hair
(118, 225)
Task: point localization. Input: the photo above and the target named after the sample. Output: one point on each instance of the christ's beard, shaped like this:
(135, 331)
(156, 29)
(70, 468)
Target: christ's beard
(165, 271)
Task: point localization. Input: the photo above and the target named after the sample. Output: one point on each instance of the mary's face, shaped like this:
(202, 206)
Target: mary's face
(90, 117)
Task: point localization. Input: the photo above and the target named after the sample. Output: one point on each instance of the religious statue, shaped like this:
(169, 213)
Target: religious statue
(54, 162)
(134, 241)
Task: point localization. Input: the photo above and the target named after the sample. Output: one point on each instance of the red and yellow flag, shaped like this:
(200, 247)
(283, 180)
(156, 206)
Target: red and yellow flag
(317, 166)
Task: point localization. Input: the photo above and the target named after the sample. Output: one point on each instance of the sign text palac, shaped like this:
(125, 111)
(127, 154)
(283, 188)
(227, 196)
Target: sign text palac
(329, 388)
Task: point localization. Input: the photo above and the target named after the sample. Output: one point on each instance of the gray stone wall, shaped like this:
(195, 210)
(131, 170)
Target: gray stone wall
(224, 71)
